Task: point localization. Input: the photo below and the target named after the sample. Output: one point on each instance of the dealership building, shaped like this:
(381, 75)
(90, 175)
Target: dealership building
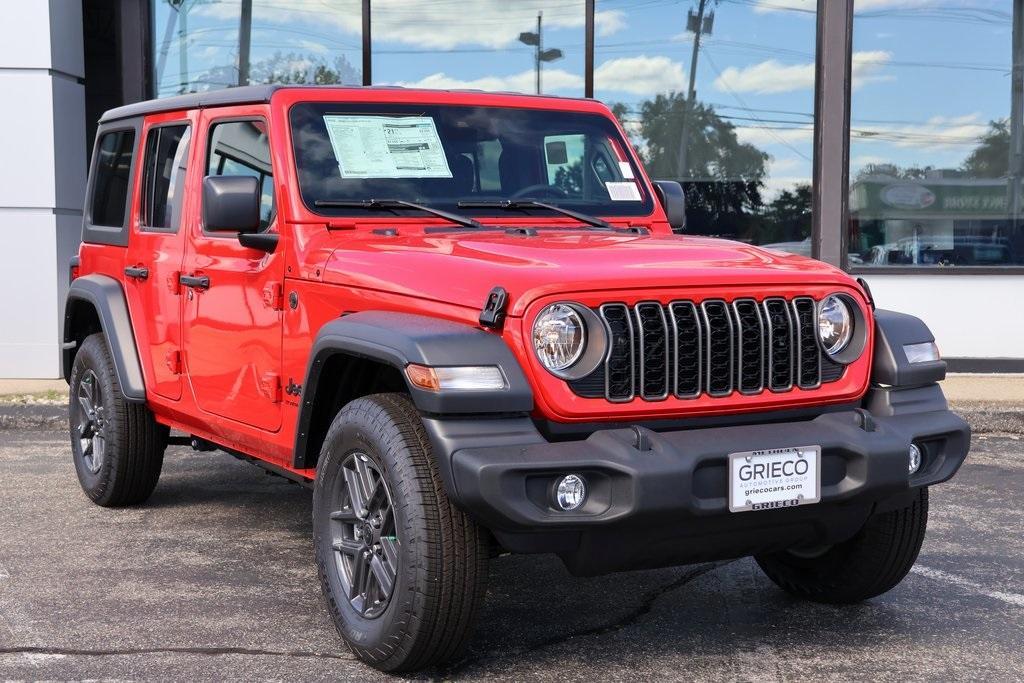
(882, 136)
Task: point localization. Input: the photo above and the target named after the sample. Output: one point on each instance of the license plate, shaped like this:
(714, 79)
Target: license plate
(774, 478)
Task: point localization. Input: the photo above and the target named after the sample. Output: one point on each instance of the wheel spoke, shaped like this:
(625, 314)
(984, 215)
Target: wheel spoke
(344, 515)
(355, 491)
(389, 548)
(384, 573)
(350, 547)
(367, 481)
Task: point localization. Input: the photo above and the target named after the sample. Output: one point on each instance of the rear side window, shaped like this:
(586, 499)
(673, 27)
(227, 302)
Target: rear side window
(243, 148)
(163, 180)
(112, 178)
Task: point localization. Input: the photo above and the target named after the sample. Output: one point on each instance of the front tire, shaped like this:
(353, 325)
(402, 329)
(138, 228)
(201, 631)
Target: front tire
(117, 446)
(873, 562)
(402, 570)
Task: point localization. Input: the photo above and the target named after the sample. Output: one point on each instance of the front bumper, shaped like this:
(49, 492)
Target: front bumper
(660, 498)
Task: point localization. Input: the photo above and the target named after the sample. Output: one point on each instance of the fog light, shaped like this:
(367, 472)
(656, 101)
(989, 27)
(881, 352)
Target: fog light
(915, 458)
(571, 492)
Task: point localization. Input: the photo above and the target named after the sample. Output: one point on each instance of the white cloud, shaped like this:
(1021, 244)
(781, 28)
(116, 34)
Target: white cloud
(760, 136)
(553, 80)
(772, 77)
(438, 25)
(766, 6)
(937, 133)
(639, 75)
(313, 46)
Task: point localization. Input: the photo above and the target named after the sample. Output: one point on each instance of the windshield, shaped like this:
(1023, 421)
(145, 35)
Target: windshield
(442, 156)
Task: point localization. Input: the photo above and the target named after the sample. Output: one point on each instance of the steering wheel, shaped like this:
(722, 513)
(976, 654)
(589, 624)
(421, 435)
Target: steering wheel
(552, 190)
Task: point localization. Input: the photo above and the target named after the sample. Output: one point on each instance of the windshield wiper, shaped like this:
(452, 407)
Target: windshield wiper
(390, 204)
(520, 204)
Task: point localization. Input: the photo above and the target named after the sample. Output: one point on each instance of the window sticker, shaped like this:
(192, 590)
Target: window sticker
(623, 192)
(387, 146)
(626, 169)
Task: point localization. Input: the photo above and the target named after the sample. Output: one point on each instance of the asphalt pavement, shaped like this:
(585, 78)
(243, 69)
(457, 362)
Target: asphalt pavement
(214, 580)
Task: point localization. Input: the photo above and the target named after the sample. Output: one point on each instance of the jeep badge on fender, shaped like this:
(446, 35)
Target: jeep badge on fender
(506, 343)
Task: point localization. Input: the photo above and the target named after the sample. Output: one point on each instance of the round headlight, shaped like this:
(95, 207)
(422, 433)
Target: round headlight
(559, 337)
(835, 324)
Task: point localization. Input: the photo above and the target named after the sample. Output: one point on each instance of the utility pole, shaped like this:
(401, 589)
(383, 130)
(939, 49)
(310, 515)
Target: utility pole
(697, 24)
(244, 42)
(540, 54)
(1016, 170)
(182, 47)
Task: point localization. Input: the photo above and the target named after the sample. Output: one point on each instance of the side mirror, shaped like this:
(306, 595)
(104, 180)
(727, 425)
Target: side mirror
(673, 200)
(231, 203)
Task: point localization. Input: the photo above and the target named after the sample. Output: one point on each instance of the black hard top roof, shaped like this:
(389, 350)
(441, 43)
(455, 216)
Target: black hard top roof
(247, 94)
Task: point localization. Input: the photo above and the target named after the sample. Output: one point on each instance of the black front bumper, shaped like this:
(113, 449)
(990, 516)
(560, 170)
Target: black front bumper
(660, 498)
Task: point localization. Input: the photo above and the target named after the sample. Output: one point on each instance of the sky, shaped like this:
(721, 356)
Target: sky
(928, 74)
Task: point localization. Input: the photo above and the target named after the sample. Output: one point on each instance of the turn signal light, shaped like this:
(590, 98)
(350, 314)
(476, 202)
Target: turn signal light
(462, 378)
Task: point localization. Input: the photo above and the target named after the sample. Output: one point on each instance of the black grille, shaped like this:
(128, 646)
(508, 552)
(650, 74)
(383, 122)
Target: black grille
(687, 349)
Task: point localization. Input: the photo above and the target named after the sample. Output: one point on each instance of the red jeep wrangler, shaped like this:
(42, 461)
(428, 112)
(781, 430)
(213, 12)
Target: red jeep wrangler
(466, 321)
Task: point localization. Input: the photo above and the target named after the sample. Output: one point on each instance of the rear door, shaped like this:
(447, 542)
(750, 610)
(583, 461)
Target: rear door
(232, 328)
(156, 248)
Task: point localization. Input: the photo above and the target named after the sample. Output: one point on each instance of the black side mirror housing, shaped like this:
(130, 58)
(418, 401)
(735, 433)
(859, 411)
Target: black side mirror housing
(231, 203)
(673, 201)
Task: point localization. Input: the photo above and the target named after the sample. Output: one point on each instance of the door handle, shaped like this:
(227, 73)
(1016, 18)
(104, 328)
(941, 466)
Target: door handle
(137, 272)
(195, 281)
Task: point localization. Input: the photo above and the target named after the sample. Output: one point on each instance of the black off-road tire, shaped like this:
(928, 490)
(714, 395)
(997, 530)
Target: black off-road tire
(869, 564)
(133, 442)
(441, 570)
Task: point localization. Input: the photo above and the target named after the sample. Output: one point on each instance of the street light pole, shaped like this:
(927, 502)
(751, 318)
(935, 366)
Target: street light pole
(244, 42)
(540, 55)
(540, 46)
(697, 28)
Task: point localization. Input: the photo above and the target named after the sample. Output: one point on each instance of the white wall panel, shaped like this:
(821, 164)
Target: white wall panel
(971, 316)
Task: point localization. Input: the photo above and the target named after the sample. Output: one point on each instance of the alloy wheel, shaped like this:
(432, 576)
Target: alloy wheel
(92, 422)
(363, 536)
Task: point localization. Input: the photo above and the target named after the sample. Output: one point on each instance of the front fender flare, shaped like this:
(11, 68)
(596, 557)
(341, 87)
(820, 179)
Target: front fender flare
(105, 296)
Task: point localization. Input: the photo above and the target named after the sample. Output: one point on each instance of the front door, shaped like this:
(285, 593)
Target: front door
(232, 326)
(156, 250)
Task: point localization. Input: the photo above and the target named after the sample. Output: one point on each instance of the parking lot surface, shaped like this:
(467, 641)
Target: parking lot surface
(214, 579)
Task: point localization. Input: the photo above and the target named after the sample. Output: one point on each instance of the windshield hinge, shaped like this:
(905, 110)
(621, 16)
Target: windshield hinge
(273, 296)
(492, 315)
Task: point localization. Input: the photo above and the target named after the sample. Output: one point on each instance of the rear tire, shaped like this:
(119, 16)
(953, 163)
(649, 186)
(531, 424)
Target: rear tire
(871, 563)
(426, 561)
(117, 446)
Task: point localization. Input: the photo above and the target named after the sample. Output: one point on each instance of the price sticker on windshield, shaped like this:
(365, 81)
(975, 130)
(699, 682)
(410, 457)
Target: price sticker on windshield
(623, 191)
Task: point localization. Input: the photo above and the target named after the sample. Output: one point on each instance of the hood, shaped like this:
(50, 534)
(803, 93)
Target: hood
(462, 267)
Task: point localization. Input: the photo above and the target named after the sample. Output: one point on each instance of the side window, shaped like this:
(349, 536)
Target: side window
(163, 180)
(243, 148)
(112, 179)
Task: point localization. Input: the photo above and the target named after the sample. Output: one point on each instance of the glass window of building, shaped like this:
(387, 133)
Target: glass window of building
(719, 95)
(525, 46)
(934, 180)
(209, 44)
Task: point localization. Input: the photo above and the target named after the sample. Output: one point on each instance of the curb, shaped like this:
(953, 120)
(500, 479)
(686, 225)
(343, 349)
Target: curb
(984, 417)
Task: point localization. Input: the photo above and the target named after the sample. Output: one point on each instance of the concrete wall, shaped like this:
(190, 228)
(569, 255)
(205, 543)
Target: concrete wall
(42, 176)
(971, 316)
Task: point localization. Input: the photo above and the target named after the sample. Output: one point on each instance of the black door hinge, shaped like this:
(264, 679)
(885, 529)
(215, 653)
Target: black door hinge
(493, 313)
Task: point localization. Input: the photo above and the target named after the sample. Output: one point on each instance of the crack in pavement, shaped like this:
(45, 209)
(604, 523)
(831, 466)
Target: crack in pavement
(207, 651)
(643, 609)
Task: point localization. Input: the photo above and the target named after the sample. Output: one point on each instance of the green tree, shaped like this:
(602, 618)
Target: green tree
(788, 216)
(991, 158)
(726, 176)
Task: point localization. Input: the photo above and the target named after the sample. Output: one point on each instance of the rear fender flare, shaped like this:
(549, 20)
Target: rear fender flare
(105, 295)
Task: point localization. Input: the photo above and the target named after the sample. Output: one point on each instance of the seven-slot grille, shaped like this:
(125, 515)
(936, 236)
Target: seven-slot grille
(686, 349)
